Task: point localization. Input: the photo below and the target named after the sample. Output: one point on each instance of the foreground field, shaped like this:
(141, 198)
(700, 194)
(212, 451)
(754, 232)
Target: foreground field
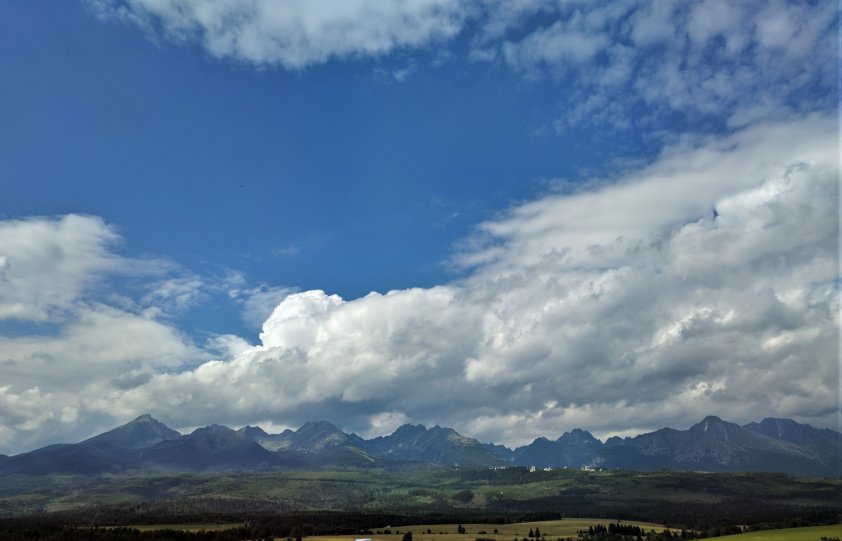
(568, 527)
(811, 533)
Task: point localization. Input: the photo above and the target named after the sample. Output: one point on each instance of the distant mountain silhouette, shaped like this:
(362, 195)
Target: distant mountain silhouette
(213, 447)
(715, 445)
(800, 434)
(139, 434)
(572, 449)
(437, 445)
(109, 452)
(144, 444)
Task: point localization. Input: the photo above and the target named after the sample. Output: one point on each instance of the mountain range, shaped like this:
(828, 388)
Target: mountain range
(145, 444)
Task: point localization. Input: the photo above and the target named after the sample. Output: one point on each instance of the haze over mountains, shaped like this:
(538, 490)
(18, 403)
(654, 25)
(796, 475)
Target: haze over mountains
(145, 444)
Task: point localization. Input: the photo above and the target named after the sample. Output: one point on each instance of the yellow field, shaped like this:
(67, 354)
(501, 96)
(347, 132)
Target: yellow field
(506, 532)
(811, 533)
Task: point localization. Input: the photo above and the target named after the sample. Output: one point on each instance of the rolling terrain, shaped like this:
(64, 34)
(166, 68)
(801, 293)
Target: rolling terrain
(662, 496)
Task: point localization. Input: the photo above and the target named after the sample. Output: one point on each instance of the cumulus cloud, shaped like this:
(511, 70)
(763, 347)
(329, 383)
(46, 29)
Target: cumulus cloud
(703, 283)
(34, 252)
(64, 332)
(293, 33)
(258, 302)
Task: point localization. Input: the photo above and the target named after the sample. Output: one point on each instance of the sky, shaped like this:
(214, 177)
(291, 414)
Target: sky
(510, 218)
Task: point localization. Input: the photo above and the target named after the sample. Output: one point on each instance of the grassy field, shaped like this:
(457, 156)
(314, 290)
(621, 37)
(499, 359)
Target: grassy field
(505, 532)
(812, 533)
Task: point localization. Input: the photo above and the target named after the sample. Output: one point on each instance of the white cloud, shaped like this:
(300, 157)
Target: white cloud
(633, 304)
(259, 302)
(714, 58)
(294, 33)
(75, 334)
(560, 44)
(176, 293)
(35, 252)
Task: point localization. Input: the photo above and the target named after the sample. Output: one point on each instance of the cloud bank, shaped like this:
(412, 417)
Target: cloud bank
(702, 284)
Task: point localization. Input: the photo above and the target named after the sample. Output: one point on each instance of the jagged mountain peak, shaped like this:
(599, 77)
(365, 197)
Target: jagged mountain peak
(409, 430)
(828, 443)
(444, 431)
(578, 435)
(139, 433)
(318, 426)
(215, 428)
(778, 427)
(317, 436)
(253, 432)
(712, 422)
(440, 445)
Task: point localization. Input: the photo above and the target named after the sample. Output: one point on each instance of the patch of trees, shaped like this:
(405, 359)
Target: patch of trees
(69, 533)
(463, 496)
(687, 514)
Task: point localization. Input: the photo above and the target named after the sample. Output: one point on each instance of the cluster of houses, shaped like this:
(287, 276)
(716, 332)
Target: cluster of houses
(533, 469)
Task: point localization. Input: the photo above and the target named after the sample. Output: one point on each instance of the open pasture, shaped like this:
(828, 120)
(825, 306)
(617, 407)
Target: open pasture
(810, 533)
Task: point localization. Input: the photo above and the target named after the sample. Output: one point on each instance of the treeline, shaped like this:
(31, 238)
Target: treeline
(75, 533)
(320, 522)
(631, 532)
(691, 515)
(95, 524)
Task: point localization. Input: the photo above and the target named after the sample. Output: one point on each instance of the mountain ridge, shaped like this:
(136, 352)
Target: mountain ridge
(712, 444)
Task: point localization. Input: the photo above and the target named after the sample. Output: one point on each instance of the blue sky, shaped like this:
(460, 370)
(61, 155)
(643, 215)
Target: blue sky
(337, 176)
(533, 182)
